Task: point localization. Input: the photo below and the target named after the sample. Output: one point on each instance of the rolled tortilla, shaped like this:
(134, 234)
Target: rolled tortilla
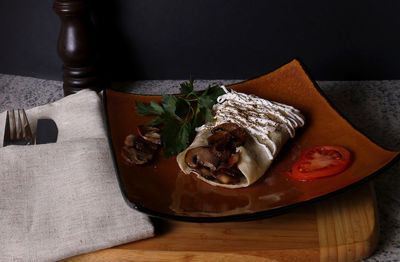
(268, 125)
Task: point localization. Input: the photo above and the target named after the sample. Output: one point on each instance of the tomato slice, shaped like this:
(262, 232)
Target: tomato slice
(321, 161)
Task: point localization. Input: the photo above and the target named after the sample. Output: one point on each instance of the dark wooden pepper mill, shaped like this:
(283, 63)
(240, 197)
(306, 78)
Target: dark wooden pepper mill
(76, 46)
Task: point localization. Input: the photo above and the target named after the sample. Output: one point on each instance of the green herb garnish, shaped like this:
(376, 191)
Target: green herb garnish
(180, 115)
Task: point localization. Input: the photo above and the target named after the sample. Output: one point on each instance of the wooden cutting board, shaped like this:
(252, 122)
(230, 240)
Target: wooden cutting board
(342, 228)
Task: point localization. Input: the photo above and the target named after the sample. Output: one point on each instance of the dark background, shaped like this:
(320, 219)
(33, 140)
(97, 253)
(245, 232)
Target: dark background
(212, 39)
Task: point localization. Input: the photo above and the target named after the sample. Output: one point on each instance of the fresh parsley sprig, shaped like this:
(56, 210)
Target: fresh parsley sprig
(178, 116)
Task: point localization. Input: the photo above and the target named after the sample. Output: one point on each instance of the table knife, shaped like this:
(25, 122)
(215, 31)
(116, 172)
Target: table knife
(46, 131)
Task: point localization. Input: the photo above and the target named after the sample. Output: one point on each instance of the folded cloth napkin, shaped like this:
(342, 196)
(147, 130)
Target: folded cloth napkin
(62, 199)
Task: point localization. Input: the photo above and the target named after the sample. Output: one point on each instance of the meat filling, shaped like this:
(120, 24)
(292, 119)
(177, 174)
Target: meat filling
(218, 160)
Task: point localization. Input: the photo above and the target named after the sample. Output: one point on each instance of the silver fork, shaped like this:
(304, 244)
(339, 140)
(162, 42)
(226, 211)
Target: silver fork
(17, 131)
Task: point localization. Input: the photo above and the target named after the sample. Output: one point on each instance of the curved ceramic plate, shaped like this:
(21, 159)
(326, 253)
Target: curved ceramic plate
(160, 189)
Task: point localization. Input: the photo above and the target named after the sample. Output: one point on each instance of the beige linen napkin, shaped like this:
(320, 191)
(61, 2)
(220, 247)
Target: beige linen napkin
(60, 200)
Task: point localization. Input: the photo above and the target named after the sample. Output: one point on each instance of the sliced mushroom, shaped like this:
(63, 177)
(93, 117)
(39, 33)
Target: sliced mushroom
(238, 133)
(234, 171)
(222, 155)
(130, 140)
(143, 145)
(239, 136)
(232, 160)
(201, 157)
(136, 150)
(150, 133)
(220, 139)
(228, 126)
(228, 176)
(205, 172)
(139, 143)
(133, 156)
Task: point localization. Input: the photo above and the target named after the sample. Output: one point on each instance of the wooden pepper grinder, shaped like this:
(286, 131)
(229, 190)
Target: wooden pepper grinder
(76, 46)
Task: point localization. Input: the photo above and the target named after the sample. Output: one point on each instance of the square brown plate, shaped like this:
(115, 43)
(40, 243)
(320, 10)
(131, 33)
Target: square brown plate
(162, 190)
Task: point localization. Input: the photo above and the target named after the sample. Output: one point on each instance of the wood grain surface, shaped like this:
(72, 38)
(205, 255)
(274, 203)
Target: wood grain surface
(342, 228)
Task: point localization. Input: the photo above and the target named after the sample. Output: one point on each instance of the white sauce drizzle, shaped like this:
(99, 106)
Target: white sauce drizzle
(258, 116)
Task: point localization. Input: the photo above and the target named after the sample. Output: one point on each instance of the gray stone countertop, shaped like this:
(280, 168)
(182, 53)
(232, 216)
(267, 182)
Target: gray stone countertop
(373, 107)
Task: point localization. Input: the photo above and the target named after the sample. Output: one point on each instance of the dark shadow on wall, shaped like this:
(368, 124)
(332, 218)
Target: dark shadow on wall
(221, 39)
(116, 56)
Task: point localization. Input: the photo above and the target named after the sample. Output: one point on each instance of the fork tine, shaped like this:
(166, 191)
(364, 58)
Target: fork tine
(7, 131)
(13, 126)
(18, 130)
(20, 133)
(27, 128)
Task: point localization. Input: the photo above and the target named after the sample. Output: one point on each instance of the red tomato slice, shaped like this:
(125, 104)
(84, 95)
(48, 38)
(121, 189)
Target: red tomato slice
(321, 161)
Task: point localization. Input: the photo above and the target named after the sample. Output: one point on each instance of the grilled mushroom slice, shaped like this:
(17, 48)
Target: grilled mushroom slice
(130, 140)
(228, 176)
(150, 133)
(144, 145)
(232, 160)
(238, 133)
(205, 172)
(221, 139)
(221, 145)
(136, 150)
(133, 156)
(201, 157)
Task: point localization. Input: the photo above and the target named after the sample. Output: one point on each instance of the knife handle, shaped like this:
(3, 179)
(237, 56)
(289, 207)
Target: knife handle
(46, 131)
